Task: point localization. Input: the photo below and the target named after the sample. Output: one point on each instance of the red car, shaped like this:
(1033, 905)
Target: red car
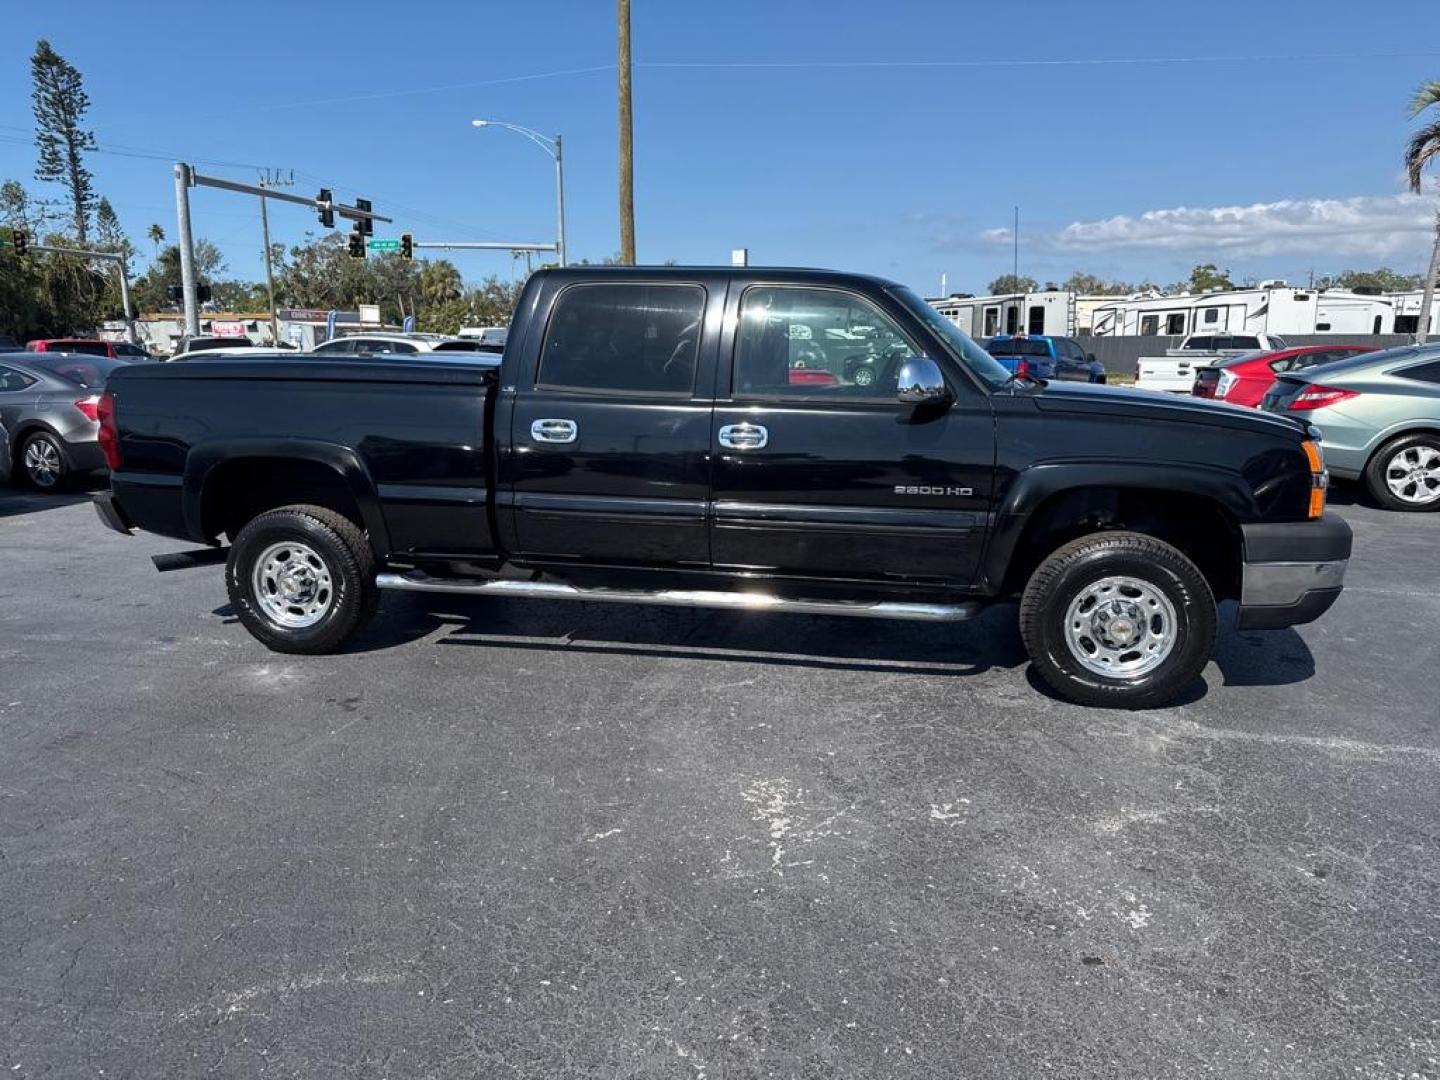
(1244, 380)
(88, 346)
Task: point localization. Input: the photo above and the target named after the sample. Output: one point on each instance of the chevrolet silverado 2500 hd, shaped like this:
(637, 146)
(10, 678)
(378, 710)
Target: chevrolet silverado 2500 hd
(642, 441)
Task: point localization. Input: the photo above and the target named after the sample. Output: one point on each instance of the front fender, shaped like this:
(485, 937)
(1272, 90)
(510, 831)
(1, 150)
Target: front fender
(1033, 486)
(205, 456)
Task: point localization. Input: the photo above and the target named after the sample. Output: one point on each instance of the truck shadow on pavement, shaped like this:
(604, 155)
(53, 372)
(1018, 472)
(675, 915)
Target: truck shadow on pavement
(1245, 658)
(15, 501)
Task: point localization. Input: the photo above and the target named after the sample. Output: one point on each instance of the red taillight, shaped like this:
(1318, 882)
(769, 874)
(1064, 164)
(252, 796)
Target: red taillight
(90, 406)
(1319, 397)
(109, 436)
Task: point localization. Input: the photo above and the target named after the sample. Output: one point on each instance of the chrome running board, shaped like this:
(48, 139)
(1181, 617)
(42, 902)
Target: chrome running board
(727, 601)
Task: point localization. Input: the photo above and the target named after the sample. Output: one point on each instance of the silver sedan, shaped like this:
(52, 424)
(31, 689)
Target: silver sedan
(48, 409)
(1379, 417)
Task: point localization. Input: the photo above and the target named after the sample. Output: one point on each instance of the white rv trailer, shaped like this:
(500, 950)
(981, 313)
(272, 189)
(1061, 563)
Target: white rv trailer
(1014, 313)
(1273, 308)
(1407, 311)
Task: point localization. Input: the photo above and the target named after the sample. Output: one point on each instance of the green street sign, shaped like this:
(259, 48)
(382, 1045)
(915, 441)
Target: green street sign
(382, 245)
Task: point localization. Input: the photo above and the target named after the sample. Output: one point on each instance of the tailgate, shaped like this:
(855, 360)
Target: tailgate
(1166, 373)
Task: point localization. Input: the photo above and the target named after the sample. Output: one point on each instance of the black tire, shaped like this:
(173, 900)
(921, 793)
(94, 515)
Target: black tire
(1065, 575)
(346, 557)
(1375, 472)
(46, 444)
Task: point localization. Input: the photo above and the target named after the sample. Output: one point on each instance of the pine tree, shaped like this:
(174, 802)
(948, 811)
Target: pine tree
(59, 102)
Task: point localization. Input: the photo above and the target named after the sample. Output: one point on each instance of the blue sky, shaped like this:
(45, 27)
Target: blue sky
(891, 138)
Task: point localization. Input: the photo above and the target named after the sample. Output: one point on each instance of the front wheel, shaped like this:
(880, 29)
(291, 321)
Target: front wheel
(301, 579)
(1119, 620)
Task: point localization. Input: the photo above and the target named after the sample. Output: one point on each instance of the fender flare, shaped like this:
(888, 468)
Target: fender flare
(205, 456)
(1033, 486)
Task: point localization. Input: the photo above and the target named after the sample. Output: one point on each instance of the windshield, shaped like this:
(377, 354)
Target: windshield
(984, 366)
(1018, 347)
(87, 371)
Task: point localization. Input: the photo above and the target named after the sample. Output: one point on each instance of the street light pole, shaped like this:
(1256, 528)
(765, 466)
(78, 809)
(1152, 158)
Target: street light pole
(183, 179)
(559, 201)
(555, 148)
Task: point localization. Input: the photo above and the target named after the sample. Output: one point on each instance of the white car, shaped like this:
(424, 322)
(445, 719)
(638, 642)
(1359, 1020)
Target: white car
(397, 345)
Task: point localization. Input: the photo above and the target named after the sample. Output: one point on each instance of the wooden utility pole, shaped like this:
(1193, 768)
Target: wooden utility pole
(627, 157)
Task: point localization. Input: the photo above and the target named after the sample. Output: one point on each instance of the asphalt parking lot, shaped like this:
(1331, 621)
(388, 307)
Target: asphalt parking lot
(506, 839)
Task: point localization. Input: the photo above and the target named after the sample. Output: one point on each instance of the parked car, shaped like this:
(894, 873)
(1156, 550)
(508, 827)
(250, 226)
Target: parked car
(1047, 357)
(208, 343)
(1247, 378)
(399, 345)
(48, 405)
(490, 338)
(88, 346)
(134, 353)
(1380, 418)
(253, 353)
(641, 442)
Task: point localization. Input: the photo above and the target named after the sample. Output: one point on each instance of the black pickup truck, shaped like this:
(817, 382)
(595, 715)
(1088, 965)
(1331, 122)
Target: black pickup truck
(649, 436)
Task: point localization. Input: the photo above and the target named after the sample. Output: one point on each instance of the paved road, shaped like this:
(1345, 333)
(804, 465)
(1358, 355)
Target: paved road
(516, 840)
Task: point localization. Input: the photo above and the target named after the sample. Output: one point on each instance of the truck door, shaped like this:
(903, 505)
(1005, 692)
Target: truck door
(826, 478)
(609, 441)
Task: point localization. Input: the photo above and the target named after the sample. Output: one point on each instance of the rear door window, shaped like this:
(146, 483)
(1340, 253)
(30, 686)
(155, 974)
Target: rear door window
(12, 380)
(630, 338)
(1427, 373)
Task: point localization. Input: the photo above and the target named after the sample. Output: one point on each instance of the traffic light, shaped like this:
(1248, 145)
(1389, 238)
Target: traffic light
(327, 215)
(21, 239)
(366, 224)
(407, 246)
(357, 243)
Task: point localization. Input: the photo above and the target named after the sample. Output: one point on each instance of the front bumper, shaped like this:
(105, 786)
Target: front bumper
(1293, 572)
(111, 516)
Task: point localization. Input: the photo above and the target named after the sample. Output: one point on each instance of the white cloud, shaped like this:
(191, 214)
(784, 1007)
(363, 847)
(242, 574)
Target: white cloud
(1379, 226)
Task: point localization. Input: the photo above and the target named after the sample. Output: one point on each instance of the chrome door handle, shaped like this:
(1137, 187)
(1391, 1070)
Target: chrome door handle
(743, 437)
(554, 431)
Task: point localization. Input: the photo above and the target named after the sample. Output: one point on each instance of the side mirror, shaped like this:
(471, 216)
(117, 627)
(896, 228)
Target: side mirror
(1090, 356)
(920, 382)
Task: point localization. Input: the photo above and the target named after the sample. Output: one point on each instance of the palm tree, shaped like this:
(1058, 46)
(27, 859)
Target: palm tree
(157, 237)
(440, 282)
(1424, 150)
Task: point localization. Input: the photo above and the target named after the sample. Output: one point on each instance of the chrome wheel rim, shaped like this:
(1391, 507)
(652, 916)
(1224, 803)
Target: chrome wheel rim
(864, 376)
(292, 585)
(1413, 475)
(1121, 627)
(42, 462)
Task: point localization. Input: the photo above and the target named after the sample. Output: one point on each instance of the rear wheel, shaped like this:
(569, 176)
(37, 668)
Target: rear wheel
(1404, 474)
(42, 462)
(1118, 619)
(302, 579)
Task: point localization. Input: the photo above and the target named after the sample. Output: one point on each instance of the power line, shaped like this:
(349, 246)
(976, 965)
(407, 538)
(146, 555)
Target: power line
(387, 94)
(1002, 62)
